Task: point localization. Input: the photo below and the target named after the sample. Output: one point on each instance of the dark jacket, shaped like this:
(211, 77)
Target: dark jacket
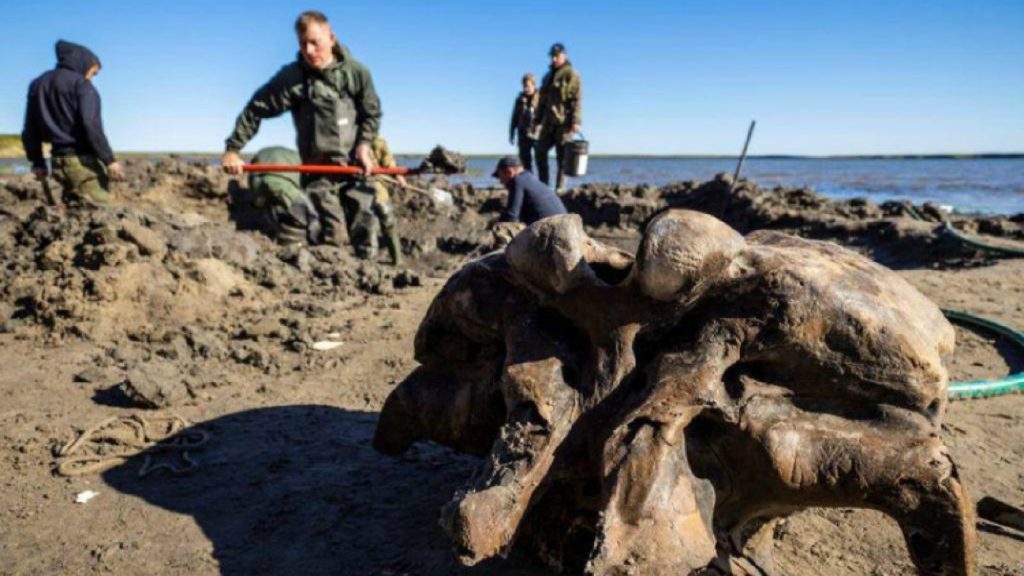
(523, 113)
(530, 200)
(64, 109)
(333, 110)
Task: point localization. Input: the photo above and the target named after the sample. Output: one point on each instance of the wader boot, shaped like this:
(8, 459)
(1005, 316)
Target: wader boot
(364, 227)
(388, 222)
(324, 194)
(392, 241)
(298, 224)
(83, 179)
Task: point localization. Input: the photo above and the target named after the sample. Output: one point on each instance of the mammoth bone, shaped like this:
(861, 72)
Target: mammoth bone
(655, 414)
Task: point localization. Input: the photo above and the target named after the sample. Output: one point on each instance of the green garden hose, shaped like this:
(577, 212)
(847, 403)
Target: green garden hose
(992, 387)
(975, 243)
(948, 228)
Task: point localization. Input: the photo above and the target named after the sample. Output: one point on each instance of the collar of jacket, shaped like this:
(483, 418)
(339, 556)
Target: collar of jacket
(341, 56)
(529, 97)
(554, 69)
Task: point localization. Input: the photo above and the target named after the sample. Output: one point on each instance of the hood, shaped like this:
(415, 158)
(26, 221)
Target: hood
(75, 57)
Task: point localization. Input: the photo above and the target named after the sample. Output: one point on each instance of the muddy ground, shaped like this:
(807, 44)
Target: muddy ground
(173, 298)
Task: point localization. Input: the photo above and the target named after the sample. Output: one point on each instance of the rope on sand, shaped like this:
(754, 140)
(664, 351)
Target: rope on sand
(990, 387)
(115, 440)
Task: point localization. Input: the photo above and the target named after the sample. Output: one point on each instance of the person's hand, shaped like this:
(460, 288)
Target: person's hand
(115, 171)
(575, 129)
(40, 173)
(232, 163)
(401, 181)
(364, 158)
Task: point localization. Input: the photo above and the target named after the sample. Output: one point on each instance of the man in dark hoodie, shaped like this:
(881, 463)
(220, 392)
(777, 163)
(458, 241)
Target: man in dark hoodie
(336, 113)
(64, 110)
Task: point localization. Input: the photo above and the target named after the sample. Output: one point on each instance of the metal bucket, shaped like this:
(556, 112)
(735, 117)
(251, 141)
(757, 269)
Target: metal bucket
(576, 152)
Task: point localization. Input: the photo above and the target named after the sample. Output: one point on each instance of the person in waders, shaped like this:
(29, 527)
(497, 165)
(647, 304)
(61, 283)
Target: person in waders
(336, 113)
(559, 113)
(295, 220)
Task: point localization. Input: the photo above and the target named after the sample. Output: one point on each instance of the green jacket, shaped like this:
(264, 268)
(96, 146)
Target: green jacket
(281, 188)
(333, 110)
(561, 99)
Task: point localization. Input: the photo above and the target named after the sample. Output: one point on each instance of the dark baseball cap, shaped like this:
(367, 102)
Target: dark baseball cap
(506, 162)
(556, 49)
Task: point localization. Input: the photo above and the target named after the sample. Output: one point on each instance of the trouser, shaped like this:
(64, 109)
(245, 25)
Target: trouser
(385, 214)
(83, 178)
(345, 209)
(551, 139)
(527, 146)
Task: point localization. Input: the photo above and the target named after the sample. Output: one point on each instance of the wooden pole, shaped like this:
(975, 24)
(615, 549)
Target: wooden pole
(743, 155)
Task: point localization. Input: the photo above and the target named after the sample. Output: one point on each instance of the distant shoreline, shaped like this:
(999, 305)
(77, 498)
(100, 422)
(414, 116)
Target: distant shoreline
(10, 149)
(1007, 156)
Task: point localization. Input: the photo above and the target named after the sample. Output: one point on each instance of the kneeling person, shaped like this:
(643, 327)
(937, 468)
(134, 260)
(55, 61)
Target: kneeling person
(529, 199)
(294, 217)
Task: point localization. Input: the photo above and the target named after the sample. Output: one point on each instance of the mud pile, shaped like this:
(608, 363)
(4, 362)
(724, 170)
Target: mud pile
(897, 234)
(178, 268)
(174, 272)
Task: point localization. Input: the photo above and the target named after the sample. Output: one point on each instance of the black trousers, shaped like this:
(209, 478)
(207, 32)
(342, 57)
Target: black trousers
(527, 147)
(546, 142)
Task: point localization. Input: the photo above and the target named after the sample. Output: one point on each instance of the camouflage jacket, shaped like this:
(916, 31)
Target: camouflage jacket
(333, 110)
(561, 99)
(381, 154)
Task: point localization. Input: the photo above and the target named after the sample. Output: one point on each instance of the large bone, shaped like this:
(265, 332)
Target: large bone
(655, 416)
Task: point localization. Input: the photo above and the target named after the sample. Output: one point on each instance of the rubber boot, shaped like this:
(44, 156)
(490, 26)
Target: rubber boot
(389, 225)
(394, 245)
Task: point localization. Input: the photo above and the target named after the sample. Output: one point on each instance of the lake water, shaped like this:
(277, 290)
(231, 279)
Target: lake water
(994, 186)
(970, 185)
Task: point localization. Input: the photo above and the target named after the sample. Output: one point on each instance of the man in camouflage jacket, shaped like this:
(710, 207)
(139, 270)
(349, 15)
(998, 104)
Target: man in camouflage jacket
(559, 113)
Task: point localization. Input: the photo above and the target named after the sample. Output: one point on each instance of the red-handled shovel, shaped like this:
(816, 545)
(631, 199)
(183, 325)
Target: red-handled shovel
(438, 195)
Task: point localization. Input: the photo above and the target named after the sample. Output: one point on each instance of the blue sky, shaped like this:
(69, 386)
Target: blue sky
(659, 77)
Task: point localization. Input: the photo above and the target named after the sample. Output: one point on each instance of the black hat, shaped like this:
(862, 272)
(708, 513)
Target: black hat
(556, 49)
(506, 162)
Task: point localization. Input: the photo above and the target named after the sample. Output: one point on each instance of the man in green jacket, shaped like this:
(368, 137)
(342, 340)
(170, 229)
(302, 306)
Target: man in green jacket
(336, 113)
(559, 113)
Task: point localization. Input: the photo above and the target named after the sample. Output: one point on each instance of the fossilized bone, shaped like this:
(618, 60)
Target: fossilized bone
(654, 414)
